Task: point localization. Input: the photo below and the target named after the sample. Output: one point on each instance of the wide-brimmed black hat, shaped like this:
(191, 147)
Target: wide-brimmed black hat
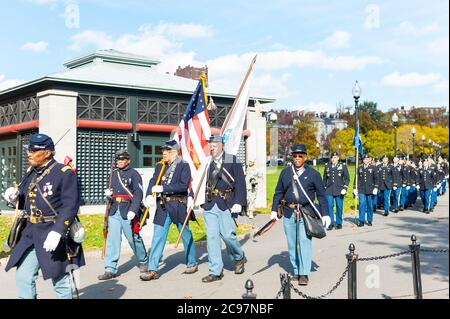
(299, 148)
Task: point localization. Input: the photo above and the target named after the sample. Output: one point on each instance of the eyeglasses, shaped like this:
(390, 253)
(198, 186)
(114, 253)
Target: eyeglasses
(298, 156)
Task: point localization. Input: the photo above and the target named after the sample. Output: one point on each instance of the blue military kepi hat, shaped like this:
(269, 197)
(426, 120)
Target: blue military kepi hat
(215, 138)
(122, 154)
(334, 154)
(41, 142)
(298, 148)
(171, 145)
(366, 156)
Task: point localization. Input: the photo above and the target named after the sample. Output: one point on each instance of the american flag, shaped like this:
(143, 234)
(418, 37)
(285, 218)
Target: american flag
(194, 134)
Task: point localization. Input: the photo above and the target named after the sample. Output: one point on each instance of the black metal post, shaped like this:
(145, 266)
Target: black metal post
(415, 259)
(351, 262)
(395, 138)
(249, 287)
(285, 279)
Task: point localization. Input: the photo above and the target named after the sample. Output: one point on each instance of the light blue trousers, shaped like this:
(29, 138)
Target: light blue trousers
(117, 225)
(300, 249)
(159, 241)
(27, 273)
(220, 224)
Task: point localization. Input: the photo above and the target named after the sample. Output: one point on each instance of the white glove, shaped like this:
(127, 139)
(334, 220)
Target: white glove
(237, 208)
(375, 191)
(190, 203)
(130, 215)
(343, 191)
(52, 241)
(414, 185)
(157, 189)
(438, 185)
(326, 221)
(417, 187)
(407, 188)
(108, 192)
(11, 195)
(150, 201)
(404, 185)
(394, 188)
(274, 215)
(355, 192)
(435, 189)
(446, 176)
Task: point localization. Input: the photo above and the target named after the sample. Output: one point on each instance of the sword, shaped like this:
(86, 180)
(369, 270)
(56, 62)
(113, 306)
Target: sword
(265, 228)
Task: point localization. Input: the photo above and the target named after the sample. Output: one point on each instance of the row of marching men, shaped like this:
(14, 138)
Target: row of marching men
(382, 184)
(49, 200)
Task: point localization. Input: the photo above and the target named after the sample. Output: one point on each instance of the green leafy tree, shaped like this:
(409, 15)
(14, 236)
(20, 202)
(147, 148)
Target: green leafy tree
(371, 108)
(306, 134)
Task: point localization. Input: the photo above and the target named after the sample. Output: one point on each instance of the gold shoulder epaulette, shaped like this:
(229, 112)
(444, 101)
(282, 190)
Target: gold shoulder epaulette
(29, 169)
(65, 168)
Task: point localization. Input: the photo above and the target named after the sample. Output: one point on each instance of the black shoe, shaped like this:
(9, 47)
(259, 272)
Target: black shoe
(401, 208)
(303, 280)
(191, 270)
(427, 212)
(149, 275)
(294, 277)
(369, 223)
(106, 276)
(211, 278)
(330, 227)
(360, 224)
(239, 264)
(338, 226)
(386, 214)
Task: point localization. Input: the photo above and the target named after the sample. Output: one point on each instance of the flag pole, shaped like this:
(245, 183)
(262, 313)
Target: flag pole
(356, 181)
(227, 119)
(221, 132)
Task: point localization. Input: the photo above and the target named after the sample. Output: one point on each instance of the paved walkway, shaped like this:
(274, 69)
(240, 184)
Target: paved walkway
(267, 256)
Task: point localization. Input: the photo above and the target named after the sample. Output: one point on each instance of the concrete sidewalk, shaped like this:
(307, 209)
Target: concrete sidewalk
(268, 257)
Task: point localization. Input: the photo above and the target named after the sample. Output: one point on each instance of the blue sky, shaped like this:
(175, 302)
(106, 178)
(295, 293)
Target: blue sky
(309, 52)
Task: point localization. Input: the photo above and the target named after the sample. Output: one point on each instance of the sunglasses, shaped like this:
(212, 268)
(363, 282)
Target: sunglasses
(298, 156)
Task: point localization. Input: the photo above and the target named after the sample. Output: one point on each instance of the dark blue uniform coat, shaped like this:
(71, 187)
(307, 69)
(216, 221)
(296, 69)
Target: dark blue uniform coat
(239, 193)
(61, 188)
(133, 181)
(367, 179)
(312, 184)
(335, 178)
(384, 177)
(179, 185)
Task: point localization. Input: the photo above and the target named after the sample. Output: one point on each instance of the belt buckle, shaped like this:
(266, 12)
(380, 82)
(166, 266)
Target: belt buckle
(34, 219)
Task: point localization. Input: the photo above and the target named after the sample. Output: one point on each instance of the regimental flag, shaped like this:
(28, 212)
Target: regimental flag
(357, 143)
(193, 137)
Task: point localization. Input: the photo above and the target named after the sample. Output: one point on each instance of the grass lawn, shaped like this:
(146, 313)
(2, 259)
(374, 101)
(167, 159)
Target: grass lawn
(272, 179)
(94, 233)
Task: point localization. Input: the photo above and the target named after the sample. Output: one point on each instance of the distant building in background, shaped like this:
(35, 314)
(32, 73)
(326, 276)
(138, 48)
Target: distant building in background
(326, 122)
(192, 72)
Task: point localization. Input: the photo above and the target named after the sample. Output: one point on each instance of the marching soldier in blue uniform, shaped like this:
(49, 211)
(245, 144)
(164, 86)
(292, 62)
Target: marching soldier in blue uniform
(375, 196)
(385, 183)
(437, 183)
(226, 193)
(289, 195)
(426, 184)
(172, 203)
(126, 196)
(335, 179)
(413, 180)
(397, 182)
(405, 187)
(49, 195)
(367, 187)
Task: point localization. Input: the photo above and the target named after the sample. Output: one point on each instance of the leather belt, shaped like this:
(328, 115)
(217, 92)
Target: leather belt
(180, 199)
(121, 200)
(35, 219)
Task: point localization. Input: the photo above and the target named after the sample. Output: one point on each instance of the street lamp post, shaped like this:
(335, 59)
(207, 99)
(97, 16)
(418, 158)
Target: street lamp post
(356, 91)
(413, 132)
(423, 143)
(395, 121)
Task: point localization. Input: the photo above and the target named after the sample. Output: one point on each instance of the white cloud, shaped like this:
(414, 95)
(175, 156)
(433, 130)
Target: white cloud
(442, 87)
(45, 2)
(5, 84)
(180, 31)
(339, 39)
(35, 47)
(407, 28)
(410, 79)
(439, 46)
(317, 107)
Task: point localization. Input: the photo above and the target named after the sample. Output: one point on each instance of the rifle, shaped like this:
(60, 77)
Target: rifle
(158, 180)
(108, 208)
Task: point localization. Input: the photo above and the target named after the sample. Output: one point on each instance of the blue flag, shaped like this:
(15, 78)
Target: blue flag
(357, 143)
